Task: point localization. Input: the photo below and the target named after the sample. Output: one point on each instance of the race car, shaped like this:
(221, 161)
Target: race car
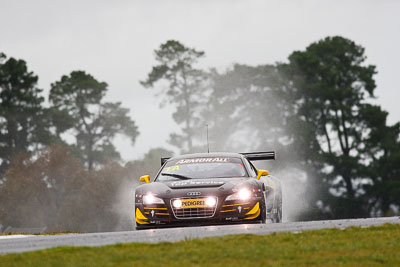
(207, 189)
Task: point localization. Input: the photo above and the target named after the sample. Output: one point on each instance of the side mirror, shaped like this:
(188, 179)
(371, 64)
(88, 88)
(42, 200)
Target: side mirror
(145, 178)
(261, 173)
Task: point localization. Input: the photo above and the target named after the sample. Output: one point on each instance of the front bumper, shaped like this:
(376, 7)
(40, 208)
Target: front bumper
(225, 212)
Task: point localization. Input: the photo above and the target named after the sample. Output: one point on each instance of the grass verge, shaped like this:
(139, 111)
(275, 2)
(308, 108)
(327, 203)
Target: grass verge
(332, 247)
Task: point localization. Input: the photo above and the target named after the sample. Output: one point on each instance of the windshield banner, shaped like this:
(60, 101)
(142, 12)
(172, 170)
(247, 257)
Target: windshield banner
(202, 160)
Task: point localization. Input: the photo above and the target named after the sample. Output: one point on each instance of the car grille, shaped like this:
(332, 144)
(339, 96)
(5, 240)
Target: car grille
(189, 213)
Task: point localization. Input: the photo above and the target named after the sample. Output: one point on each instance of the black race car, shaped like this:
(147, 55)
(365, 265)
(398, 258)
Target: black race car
(209, 188)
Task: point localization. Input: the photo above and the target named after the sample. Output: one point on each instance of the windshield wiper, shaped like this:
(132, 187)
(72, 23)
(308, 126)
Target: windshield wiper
(179, 176)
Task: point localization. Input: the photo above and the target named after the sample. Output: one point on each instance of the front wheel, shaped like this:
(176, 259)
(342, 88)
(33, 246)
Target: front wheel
(277, 217)
(263, 213)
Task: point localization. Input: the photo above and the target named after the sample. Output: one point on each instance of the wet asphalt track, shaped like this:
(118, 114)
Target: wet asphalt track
(30, 243)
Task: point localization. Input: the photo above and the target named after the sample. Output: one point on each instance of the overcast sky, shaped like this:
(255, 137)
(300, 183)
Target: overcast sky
(114, 41)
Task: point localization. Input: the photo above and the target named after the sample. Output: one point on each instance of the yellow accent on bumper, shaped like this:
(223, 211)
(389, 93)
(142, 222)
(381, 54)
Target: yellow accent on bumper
(240, 204)
(227, 210)
(157, 213)
(140, 217)
(254, 212)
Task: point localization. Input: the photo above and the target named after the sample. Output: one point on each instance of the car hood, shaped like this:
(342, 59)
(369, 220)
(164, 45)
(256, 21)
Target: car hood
(197, 183)
(219, 184)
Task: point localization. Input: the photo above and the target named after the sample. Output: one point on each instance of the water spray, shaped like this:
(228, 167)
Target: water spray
(208, 145)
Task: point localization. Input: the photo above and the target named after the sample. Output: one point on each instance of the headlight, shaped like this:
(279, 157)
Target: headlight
(210, 201)
(177, 203)
(243, 194)
(150, 199)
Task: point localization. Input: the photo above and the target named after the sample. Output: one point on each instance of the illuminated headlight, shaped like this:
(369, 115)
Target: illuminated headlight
(150, 199)
(177, 203)
(243, 194)
(210, 201)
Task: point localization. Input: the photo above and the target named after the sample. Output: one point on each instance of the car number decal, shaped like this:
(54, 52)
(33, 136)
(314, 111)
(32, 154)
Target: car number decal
(172, 168)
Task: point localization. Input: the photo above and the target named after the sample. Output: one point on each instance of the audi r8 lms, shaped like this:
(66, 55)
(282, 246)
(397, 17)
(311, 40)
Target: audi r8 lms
(209, 188)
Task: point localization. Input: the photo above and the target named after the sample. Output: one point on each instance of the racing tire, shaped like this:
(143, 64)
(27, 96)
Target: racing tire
(263, 213)
(277, 217)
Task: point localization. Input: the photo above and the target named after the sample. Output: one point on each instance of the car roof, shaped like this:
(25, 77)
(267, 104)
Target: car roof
(208, 155)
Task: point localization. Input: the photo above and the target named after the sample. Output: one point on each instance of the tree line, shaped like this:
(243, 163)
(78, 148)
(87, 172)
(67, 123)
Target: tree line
(58, 164)
(77, 116)
(314, 110)
(60, 169)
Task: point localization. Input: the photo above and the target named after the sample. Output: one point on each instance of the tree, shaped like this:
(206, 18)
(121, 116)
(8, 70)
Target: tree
(331, 85)
(38, 190)
(251, 109)
(24, 124)
(184, 87)
(54, 190)
(148, 165)
(250, 106)
(23, 195)
(77, 104)
(382, 152)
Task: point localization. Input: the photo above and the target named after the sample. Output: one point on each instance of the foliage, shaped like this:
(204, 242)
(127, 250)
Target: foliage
(34, 191)
(315, 111)
(331, 87)
(23, 119)
(251, 106)
(330, 247)
(96, 209)
(382, 150)
(54, 190)
(23, 194)
(148, 165)
(77, 103)
(185, 88)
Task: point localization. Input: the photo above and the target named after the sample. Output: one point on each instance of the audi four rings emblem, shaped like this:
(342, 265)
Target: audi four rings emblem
(194, 193)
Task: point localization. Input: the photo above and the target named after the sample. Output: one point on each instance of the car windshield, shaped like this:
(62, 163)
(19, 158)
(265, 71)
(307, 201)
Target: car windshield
(200, 168)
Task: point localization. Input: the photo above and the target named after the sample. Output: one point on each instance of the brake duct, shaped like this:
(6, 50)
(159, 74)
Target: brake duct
(140, 218)
(254, 212)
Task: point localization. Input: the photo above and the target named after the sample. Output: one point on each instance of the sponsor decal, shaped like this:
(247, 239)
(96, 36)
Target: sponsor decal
(202, 160)
(231, 218)
(185, 183)
(194, 193)
(193, 203)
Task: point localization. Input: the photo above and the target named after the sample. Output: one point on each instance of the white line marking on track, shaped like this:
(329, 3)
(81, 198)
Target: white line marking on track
(13, 236)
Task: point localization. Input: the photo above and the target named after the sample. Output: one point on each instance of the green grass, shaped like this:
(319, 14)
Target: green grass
(333, 247)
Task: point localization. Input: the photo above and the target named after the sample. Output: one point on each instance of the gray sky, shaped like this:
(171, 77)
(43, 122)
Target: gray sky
(114, 41)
